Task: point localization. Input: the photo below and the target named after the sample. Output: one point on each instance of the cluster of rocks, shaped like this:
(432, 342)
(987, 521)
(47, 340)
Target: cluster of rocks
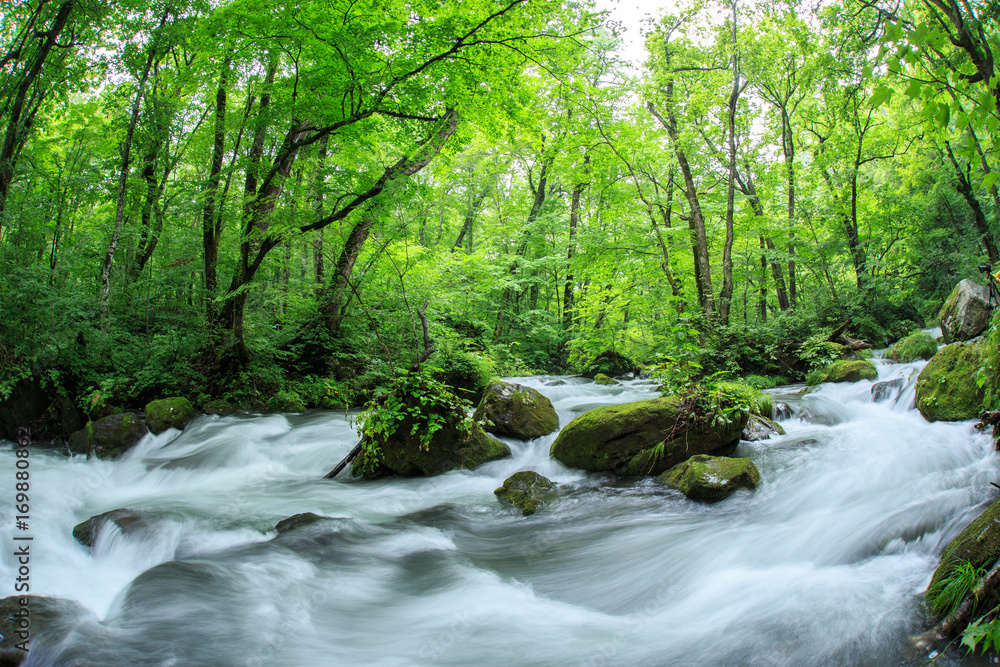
(111, 436)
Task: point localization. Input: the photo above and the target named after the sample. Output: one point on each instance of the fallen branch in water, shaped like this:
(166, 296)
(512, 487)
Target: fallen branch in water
(347, 459)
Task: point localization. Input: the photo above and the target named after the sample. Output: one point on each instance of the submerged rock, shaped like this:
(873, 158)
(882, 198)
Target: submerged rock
(887, 389)
(760, 428)
(845, 371)
(704, 477)
(298, 521)
(965, 313)
(643, 438)
(52, 618)
(127, 521)
(601, 378)
(946, 388)
(167, 413)
(109, 437)
(918, 345)
(526, 490)
(515, 410)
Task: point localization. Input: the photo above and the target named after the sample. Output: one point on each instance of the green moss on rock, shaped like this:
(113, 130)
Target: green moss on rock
(979, 544)
(450, 448)
(516, 411)
(918, 345)
(844, 371)
(711, 477)
(631, 439)
(601, 378)
(167, 413)
(946, 387)
(218, 406)
(109, 437)
(526, 490)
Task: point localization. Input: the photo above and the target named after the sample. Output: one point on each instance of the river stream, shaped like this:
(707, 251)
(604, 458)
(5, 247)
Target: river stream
(825, 563)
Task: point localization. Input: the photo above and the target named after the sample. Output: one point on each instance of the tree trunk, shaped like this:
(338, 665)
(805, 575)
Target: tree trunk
(964, 188)
(317, 244)
(574, 219)
(726, 295)
(16, 133)
(126, 148)
(507, 298)
(475, 203)
(703, 268)
(789, 150)
(210, 223)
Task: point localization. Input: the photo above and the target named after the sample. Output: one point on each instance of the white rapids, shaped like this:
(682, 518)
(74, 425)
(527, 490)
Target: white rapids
(825, 563)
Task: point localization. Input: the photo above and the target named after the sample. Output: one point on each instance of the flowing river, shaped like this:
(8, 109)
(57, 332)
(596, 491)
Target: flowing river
(825, 563)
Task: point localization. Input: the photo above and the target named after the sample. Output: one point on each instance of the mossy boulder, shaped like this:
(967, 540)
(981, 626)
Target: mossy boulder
(526, 490)
(109, 437)
(166, 413)
(450, 448)
(644, 438)
(918, 345)
(517, 411)
(704, 477)
(126, 520)
(844, 371)
(947, 388)
(761, 428)
(601, 378)
(966, 312)
(978, 544)
(609, 363)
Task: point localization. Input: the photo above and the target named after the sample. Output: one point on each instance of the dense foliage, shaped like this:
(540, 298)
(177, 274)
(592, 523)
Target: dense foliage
(249, 201)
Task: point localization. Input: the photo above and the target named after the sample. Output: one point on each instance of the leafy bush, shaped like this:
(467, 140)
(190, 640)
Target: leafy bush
(417, 399)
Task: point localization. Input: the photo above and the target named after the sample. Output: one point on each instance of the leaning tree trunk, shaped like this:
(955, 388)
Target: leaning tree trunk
(126, 148)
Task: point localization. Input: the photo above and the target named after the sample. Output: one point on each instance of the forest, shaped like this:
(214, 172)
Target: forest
(285, 206)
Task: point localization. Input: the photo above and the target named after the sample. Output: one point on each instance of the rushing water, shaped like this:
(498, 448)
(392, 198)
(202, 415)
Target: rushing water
(823, 564)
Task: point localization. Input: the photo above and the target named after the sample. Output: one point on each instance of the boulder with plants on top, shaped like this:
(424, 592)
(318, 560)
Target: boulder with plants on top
(421, 428)
(917, 345)
(649, 437)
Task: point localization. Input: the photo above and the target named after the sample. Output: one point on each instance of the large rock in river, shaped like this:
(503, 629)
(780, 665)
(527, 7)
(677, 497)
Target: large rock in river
(167, 413)
(966, 312)
(844, 371)
(109, 437)
(711, 477)
(946, 388)
(517, 411)
(918, 345)
(450, 448)
(978, 545)
(643, 438)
